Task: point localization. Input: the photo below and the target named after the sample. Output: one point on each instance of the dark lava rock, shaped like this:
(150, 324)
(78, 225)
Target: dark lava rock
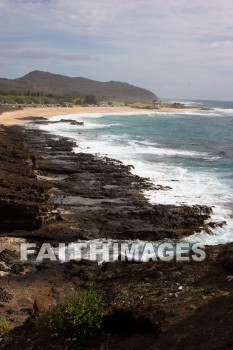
(71, 121)
(17, 268)
(23, 198)
(225, 257)
(96, 197)
(121, 321)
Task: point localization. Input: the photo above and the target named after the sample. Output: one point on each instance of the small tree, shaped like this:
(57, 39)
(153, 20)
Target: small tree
(90, 99)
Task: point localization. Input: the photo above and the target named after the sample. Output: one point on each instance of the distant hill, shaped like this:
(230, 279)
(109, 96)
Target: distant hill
(60, 84)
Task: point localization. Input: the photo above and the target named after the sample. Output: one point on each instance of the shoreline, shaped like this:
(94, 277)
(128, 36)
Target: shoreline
(105, 185)
(80, 196)
(16, 117)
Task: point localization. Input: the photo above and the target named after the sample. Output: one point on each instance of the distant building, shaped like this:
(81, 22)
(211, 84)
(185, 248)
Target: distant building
(103, 104)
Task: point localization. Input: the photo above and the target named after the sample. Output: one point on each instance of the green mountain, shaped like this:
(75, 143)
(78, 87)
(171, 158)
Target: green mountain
(60, 84)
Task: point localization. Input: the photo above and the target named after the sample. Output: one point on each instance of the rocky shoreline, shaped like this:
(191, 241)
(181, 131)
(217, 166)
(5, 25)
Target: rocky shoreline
(88, 196)
(49, 193)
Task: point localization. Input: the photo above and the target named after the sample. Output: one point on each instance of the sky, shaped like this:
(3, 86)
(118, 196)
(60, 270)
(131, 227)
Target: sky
(175, 48)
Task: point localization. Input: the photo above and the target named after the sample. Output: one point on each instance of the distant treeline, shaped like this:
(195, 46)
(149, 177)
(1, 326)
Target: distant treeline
(22, 99)
(39, 97)
(12, 92)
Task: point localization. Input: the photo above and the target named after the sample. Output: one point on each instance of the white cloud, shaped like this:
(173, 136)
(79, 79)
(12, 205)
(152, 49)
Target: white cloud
(11, 50)
(169, 46)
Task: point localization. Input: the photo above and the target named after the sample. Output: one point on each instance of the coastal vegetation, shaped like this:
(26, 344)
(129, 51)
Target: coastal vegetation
(4, 324)
(21, 98)
(77, 316)
(11, 99)
(15, 97)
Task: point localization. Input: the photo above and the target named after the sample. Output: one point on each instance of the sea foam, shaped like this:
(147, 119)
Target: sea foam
(184, 185)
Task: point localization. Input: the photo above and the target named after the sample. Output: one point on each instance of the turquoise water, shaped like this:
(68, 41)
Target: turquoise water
(191, 152)
(198, 144)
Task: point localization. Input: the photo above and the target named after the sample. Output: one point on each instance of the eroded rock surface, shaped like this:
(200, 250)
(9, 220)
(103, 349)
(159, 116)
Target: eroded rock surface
(23, 198)
(80, 195)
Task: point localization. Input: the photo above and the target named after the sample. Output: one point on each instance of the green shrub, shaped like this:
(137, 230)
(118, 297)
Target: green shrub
(4, 325)
(77, 315)
(90, 99)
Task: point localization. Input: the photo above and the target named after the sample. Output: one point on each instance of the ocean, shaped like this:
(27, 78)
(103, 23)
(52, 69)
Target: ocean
(190, 152)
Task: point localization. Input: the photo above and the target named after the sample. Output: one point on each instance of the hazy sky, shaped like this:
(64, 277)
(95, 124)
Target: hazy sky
(176, 48)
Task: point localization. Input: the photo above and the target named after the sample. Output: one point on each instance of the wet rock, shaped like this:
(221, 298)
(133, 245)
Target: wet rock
(213, 224)
(163, 188)
(71, 121)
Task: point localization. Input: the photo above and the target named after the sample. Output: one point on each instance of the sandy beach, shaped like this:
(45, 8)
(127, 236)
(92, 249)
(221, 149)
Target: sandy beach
(16, 117)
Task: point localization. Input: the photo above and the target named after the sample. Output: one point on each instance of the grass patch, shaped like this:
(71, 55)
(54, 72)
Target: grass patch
(4, 324)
